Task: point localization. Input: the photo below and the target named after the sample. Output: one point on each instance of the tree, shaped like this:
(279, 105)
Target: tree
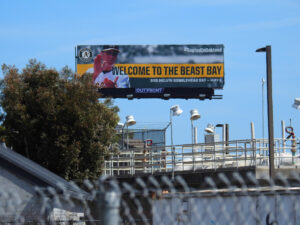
(56, 120)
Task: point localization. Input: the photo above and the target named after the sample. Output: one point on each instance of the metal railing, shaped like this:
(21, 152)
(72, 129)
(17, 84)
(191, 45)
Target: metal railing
(238, 153)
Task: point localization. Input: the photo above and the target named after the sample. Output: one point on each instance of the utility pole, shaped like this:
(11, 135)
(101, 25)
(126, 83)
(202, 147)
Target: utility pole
(267, 49)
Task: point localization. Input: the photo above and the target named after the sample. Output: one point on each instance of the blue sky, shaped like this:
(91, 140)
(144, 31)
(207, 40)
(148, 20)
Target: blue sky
(50, 30)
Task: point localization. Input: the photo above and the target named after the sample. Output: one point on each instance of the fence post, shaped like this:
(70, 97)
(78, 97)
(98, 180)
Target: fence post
(107, 205)
(214, 159)
(245, 148)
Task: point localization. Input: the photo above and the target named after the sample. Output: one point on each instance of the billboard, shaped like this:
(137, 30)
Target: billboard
(153, 71)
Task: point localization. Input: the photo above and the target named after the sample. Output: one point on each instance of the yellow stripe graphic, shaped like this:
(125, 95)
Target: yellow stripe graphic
(164, 70)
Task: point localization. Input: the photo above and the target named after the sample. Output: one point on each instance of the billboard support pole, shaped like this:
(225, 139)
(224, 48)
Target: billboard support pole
(75, 61)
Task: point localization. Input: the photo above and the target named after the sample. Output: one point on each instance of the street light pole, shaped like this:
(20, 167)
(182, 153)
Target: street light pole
(194, 116)
(192, 132)
(171, 129)
(172, 147)
(267, 49)
(174, 111)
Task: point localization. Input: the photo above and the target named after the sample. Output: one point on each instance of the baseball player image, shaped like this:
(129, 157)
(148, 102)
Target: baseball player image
(103, 65)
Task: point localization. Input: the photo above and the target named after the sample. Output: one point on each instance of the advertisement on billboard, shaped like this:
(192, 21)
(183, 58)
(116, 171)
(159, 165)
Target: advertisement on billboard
(153, 69)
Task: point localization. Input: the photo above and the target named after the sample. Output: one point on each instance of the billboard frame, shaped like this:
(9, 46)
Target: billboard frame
(200, 93)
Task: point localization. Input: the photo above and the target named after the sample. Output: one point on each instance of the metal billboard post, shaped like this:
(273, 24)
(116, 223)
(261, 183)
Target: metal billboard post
(267, 49)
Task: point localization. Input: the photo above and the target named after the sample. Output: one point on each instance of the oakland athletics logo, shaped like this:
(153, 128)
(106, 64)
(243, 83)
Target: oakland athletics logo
(85, 54)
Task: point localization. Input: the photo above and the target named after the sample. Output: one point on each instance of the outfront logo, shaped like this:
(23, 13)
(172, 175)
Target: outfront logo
(85, 54)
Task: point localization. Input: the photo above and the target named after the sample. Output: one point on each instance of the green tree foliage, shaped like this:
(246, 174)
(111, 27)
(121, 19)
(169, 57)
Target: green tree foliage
(56, 120)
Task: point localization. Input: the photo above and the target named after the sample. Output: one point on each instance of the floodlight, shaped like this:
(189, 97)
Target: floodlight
(296, 104)
(194, 114)
(176, 110)
(210, 129)
(130, 120)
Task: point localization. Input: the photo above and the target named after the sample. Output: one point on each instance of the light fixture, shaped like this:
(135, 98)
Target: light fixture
(176, 110)
(261, 49)
(210, 129)
(296, 104)
(194, 114)
(129, 96)
(130, 120)
(216, 97)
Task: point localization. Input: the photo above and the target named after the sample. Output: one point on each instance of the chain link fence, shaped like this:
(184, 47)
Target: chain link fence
(223, 200)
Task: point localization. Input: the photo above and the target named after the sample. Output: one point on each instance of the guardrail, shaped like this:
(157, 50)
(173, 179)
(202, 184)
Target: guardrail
(237, 153)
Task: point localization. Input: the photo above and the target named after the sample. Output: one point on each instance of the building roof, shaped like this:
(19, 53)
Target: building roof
(38, 175)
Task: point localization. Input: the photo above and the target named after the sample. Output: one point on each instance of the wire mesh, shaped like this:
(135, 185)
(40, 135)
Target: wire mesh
(221, 200)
